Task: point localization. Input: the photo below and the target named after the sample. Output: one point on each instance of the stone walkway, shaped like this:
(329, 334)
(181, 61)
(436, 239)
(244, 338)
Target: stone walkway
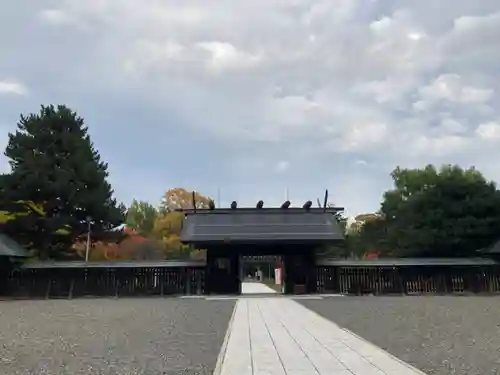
(256, 288)
(278, 336)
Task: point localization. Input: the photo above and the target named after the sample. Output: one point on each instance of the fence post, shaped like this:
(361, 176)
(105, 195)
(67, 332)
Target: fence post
(49, 284)
(187, 279)
(399, 273)
(161, 278)
(357, 273)
(70, 294)
(198, 282)
(338, 280)
(449, 279)
(116, 278)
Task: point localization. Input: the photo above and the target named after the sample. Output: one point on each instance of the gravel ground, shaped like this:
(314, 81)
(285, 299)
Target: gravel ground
(438, 335)
(112, 336)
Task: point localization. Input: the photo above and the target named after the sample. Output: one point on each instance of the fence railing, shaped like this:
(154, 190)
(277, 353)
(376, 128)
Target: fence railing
(119, 279)
(377, 277)
(408, 276)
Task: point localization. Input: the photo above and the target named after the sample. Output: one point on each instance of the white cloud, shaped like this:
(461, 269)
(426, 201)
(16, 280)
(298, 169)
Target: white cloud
(440, 146)
(55, 17)
(282, 166)
(224, 56)
(392, 89)
(12, 87)
(474, 38)
(452, 126)
(452, 88)
(489, 131)
(363, 137)
(317, 84)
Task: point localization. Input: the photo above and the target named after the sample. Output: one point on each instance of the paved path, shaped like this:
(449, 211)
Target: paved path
(278, 336)
(256, 288)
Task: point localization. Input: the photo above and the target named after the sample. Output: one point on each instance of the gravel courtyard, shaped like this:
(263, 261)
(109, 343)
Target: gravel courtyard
(438, 335)
(112, 336)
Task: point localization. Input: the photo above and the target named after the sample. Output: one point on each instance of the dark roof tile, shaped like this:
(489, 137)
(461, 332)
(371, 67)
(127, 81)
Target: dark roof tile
(260, 227)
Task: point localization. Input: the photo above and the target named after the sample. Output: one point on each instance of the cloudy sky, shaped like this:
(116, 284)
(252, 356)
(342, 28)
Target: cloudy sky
(257, 96)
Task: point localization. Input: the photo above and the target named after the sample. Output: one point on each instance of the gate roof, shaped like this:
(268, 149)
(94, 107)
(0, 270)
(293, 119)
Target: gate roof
(264, 225)
(10, 248)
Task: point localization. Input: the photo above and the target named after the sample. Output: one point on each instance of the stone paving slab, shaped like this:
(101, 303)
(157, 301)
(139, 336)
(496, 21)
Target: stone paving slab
(256, 288)
(278, 336)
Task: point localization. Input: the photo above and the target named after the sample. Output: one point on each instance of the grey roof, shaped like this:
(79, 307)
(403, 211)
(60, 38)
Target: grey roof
(264, 225)
(406, 262)
(10, 248)
(115, 264)
(493, 249)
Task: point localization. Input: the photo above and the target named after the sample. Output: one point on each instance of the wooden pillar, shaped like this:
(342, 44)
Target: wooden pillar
(208, 271)
(222, 280)
(234, 259)
(311, 277)
(288, 274)
(187, 277)
(5, 270)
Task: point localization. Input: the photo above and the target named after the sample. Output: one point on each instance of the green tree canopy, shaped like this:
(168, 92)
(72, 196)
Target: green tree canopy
(141, 216)
(55, 165)
(447, 212)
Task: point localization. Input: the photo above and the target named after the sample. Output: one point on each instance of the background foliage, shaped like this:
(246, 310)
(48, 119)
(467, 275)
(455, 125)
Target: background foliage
(58, 188)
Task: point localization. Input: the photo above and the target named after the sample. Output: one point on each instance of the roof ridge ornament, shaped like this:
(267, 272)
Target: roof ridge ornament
(194, 201)
(286, 204)
(211, 205)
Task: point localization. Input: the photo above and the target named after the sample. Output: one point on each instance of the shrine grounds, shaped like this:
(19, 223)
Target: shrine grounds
(143, 336)
(440, 335)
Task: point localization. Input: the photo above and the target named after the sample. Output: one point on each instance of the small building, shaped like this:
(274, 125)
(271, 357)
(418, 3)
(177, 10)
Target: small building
(10, 251)
(230, 233)
(492, 252)
(10, 248)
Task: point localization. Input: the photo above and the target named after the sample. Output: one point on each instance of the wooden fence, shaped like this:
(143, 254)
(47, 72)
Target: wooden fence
(408, 276)
(119, 279)
(377, 277)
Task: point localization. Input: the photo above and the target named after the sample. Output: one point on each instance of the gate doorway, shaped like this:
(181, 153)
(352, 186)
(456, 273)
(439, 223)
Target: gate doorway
(229, 266)
(231, 235)
(261, 274)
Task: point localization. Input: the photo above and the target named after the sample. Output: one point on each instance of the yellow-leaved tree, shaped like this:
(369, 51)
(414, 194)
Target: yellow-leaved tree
(168, 224)
(177, 198)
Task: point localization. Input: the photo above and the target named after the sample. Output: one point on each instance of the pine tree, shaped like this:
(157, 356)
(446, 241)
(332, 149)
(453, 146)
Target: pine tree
(55, 165)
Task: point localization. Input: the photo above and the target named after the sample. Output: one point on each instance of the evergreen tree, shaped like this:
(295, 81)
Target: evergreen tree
(55, 165)
(446, 212)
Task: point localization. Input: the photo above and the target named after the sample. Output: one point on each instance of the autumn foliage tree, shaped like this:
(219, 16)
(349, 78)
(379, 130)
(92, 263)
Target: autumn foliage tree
(180, 198)
(168, 224)
(152, 234)
(141, 216)
(167, 228)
